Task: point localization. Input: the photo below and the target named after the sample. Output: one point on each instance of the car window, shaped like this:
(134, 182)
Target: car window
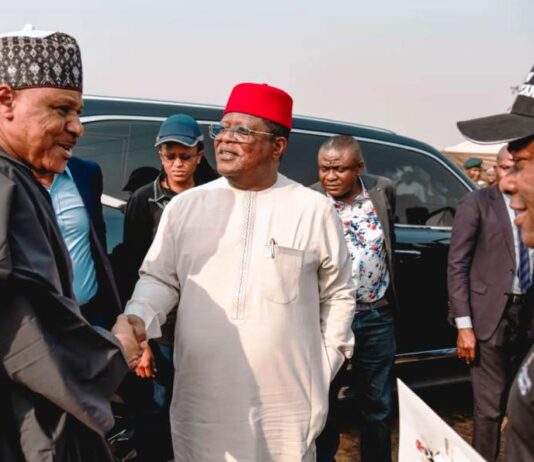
(427, 191)
(122, 146)
(300, 161)
(119, 147)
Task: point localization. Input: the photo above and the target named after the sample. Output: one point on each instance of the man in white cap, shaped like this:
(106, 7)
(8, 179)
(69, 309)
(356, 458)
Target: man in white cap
(259, 269)
(57, 372)
(512, 340)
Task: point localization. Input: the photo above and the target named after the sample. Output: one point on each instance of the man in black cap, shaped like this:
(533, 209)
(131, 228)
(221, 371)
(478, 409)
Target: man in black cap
(515, 327)
(57, 372)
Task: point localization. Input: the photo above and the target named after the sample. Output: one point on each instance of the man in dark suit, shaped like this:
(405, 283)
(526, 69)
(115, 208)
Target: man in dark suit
(365, 204)
(515, 127)
(75, 195)
(487, 293)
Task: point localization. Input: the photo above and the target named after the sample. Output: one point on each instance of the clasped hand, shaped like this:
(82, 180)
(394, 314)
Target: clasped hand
(130, 331)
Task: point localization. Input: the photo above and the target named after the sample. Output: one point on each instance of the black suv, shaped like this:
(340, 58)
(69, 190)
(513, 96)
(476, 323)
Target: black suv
(120, 134)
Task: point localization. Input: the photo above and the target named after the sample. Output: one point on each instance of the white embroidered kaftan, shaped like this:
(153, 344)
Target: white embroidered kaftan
(265, 304)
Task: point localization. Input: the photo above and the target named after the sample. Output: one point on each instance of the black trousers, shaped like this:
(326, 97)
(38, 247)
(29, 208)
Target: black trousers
(496, 364)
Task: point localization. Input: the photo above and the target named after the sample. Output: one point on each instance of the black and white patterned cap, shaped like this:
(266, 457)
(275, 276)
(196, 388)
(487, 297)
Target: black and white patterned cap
(30, 58)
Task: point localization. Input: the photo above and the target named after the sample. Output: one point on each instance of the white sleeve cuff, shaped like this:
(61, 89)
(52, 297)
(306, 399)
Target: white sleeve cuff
(152, 326)
(463, 322)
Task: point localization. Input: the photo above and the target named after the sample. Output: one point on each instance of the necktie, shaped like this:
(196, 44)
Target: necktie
(523, 270)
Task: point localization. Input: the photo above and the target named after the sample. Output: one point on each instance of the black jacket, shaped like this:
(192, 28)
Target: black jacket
(141, 219)
(57, 372)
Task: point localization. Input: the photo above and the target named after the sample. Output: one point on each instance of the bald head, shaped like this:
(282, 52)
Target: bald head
(503, 154)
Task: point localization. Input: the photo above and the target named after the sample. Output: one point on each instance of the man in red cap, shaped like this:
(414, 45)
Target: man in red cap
(259, 269)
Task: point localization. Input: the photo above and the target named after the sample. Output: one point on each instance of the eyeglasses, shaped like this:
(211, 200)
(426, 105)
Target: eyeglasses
(240, 134)
(170, 157)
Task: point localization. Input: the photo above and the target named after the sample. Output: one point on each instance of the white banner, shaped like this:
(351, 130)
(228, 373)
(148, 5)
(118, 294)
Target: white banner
(425, 437)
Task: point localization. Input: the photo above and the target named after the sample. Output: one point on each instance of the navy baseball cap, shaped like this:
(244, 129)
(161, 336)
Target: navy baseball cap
(504, 128)
(179, 128)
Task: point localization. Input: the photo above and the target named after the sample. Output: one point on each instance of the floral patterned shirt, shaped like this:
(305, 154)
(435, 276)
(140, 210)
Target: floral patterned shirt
(365, 239)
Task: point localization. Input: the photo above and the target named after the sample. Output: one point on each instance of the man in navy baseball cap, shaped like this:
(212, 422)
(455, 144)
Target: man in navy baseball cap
(179, 128)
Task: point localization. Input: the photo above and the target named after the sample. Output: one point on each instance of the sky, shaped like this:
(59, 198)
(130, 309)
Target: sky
(412, 66)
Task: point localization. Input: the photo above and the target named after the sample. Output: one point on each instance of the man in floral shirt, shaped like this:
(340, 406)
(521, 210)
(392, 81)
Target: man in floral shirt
(365, 204)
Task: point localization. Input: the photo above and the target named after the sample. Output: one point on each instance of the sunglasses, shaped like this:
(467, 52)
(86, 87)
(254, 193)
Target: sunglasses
(170, 157)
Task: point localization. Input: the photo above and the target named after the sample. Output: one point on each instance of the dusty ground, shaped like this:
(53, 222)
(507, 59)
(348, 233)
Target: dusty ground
(454, 406)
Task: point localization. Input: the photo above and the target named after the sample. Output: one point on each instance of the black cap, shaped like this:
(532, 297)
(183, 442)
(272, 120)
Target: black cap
(503, 128)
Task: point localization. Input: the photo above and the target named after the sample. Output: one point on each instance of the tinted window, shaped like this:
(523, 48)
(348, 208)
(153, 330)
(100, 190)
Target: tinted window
(427, 191)
(300, 160)
(119, 147)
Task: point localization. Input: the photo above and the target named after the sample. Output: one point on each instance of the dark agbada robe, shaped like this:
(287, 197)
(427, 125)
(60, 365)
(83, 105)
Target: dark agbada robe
(57, 373)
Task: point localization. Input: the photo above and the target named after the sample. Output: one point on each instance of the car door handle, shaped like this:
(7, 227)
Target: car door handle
(415, 253)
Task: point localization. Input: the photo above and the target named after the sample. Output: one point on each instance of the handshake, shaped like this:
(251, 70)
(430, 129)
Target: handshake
(130, 331)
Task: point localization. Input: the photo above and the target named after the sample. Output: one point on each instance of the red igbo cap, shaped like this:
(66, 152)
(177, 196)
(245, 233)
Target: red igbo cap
(261, 100)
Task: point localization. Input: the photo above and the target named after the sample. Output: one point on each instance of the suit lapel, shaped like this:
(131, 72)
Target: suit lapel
(377, 196)
(82, 182)
(499, 206)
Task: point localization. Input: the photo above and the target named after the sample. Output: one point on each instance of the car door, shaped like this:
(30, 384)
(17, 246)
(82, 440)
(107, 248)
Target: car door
(428, 191)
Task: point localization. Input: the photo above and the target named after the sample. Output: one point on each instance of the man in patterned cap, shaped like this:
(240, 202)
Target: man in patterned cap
(259, 269)
(57, 372)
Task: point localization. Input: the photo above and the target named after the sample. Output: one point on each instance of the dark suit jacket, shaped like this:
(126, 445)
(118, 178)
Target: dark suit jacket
(57, 373)
(382, 194)
(88, 178)
(482, 260)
